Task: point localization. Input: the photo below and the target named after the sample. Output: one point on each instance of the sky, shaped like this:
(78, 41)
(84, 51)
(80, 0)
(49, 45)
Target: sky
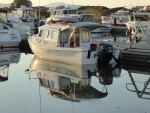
(107, 3)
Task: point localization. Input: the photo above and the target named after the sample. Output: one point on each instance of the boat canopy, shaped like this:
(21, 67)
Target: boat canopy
(88, 25)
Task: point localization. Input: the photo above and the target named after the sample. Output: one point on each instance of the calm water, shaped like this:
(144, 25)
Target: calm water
(27, 91)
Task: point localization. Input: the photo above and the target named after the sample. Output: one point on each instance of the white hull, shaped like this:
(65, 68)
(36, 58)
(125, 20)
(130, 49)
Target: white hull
(9, 38)
(67, 55)
(23, 28)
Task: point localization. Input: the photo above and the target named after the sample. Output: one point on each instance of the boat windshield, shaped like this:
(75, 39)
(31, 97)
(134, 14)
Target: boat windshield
(58, 12)
(87, 18)
(29, 14)
(49, 34)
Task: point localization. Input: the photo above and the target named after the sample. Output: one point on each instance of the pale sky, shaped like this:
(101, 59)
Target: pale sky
(107, 3)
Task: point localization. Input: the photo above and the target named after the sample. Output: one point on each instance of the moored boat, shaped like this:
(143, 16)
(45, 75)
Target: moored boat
(69, 43)
(26, 20)
(68, 14)
(9, 37)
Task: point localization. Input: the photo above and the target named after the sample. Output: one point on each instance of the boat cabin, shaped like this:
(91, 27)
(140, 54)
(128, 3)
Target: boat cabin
(26, 14)
(142, 16)
(69, 14)
(69, 36)
(62, 11)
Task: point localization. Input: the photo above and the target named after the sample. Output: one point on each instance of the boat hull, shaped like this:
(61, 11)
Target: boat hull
(60, 54)
(9, 38)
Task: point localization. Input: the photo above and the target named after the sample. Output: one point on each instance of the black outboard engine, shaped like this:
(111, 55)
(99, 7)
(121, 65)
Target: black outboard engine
(105, 53)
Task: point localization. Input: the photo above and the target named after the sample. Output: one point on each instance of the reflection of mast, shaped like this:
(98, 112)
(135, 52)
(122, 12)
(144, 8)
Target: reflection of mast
(40, 100)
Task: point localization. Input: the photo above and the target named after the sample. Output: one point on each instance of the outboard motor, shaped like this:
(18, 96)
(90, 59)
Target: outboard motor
(105, 53)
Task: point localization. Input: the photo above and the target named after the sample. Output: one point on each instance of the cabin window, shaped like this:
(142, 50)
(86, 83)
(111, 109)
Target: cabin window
(43, 33)
(54, 35)
(65, 12)
(52, 13)
(58, 12)
(88, 18)
(64, 36)
(85, 36)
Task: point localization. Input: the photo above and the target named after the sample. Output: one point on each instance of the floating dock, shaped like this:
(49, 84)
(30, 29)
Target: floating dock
(135, 51)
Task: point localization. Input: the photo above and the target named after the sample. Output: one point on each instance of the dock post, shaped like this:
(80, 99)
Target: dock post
(115, 21)
(114, 39)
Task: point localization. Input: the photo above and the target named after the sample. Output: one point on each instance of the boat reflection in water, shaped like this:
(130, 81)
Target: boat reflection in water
(67, 81)
(140, 86)
(107, 72)
(7, 57)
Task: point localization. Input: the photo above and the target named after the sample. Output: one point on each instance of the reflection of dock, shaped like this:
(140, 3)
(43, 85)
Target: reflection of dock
(141, 93)
(141, 88)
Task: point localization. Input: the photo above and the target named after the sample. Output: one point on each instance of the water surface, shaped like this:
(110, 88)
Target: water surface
(24, 93)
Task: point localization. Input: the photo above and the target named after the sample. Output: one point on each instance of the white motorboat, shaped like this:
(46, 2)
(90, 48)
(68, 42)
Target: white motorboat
(118, 19)
(68, 15)
(9, 37)
(140, 18)
(66, 81)
(70, 43)
(25, 19)
(8, 57)
(121, 19)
